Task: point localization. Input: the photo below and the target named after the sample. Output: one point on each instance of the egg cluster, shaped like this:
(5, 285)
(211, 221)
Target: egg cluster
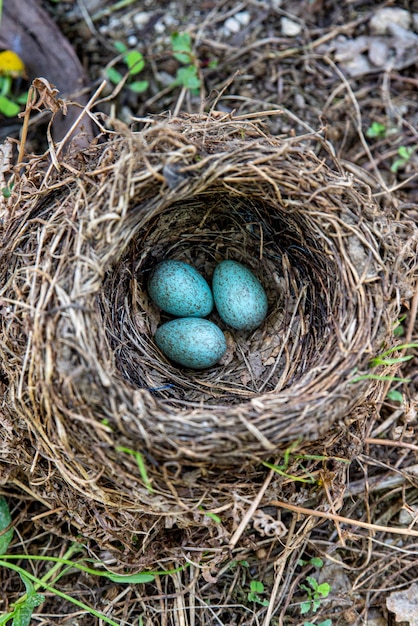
(180, 290)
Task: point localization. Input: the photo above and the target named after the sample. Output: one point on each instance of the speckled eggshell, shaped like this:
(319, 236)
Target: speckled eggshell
(178, 288)
(239, 296)
(191, 342)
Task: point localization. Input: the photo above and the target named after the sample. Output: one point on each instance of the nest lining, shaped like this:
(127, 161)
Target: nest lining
(84, 376)
(203, 231)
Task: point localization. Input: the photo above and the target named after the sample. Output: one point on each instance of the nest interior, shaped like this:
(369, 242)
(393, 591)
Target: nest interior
(84, 381)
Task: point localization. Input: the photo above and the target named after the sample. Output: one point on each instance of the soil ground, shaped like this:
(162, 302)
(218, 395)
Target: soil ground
(348, 69)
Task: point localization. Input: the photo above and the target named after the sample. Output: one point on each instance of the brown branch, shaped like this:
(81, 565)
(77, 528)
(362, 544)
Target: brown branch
(345, 520)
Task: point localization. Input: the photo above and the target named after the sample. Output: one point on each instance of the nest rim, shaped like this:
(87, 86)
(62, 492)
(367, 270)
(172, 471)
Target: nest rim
(67, 386)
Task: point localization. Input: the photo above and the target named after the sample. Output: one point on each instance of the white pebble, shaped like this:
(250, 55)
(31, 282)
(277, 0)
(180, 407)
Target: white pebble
(389, 15)
(290, 28)
(232, 25)
(356, 67)
(159, 27)
(300, 101)
(243, 17)
(378, 52)
(132, 41)
(141, 19)
(170, 20)
(407, 517)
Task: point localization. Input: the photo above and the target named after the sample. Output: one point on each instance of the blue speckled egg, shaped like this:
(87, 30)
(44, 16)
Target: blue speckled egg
(191, 342)
(239, 297)
(178, 288)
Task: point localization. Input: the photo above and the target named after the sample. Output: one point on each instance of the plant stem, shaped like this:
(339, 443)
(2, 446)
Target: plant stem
(57, 592)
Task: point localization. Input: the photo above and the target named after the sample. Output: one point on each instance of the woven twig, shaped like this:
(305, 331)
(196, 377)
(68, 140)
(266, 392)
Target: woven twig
(82, 374)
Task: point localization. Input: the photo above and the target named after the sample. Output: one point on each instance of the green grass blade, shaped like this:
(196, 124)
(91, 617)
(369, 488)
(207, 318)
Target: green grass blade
(6, 536)
(59, 593)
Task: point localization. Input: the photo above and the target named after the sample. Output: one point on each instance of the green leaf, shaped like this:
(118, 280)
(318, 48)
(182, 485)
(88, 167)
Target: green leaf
(23, 610)
(316, 561)
(8, 108)
(254, 597)
(135, 61)
(257, 586)
(405, 153)
(395, 395)
(131, 578)
(305, 607)
(22, 98)
(187, 76)
(138, 86)
(312, 582)
(324, 589)
(404, 156)
(22, 614)
(396, 165)
(376, 130)
(213, 516)
(114, 76)
(182, 47)
(5, 521)
(120, 46)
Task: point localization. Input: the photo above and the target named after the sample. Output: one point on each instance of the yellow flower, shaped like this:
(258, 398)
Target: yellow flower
(11, 64)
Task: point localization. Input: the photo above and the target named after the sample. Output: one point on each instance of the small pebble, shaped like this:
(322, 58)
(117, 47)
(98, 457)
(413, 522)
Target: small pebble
(132, 41)
(233, 24)
(141, 18)
(378, 52)
(385, 16)
(290, 28)
(357, 67)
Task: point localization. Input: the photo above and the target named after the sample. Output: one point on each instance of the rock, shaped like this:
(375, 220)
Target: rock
(233, 24)
(357, 66)
(407, 517)
(350, 49)
(389, 15)
(404, 604)
(378, 52)
(290, 28)
(140, 19)
(132, 41)
(300, 101)
(243, 17)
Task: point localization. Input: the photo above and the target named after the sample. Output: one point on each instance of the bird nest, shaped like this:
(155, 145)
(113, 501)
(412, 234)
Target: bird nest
(97, 422)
